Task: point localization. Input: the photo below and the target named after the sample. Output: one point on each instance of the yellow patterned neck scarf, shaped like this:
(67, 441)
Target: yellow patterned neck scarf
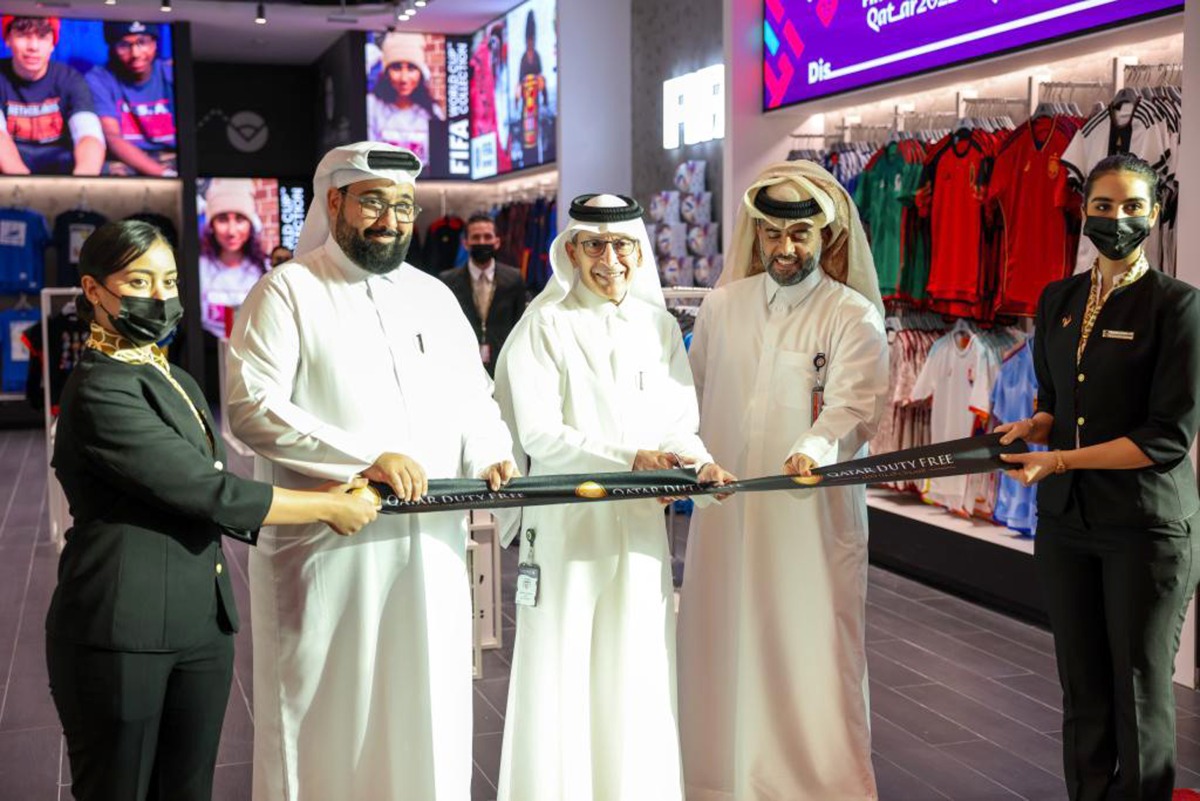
(1097, 298)
(120, 348)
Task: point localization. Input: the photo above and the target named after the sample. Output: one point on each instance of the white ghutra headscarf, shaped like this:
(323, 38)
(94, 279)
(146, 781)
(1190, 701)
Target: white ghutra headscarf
(342, 166)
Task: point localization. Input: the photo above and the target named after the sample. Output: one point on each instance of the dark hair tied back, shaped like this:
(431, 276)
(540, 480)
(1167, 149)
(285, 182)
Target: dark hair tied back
(1123, 162)
(111, 248)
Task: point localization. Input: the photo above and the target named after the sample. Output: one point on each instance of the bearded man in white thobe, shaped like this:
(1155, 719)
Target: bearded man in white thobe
(349, 361)
(790, 362)
(595, 379)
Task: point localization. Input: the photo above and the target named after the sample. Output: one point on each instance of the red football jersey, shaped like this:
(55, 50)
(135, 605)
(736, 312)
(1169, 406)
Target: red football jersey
(954, 187)
(1038, 213)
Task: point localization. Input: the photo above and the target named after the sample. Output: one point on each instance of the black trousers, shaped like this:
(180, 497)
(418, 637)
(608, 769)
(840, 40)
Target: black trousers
(142, 726)
(1117, 599)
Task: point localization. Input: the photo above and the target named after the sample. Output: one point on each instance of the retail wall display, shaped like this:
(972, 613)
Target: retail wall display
(514, 90)
(86, 97)
(670, 240)
(242, 130)
(239, 225)
(708, 269)
(665, 207)
(677, 271)
(418, 97)
(943, 382)
(689, 177)
(814, 49)
(672, 38)
(696, 209)
(704, 240)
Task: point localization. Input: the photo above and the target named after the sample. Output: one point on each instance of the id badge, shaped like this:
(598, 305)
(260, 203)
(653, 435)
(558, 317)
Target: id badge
(528, 576)
(485, 352)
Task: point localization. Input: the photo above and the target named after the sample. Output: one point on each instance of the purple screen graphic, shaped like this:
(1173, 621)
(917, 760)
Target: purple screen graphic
(814, 48)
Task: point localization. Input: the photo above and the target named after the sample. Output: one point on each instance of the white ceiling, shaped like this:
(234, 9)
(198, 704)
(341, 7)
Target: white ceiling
(294, 34)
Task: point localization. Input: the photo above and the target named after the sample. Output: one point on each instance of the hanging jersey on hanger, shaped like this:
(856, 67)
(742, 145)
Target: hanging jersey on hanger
(23, 239)
(1038, 212)
(14, 367)
(442, 244)
(1013, 399)
(71, 230)
(66, 337)
(952, 195)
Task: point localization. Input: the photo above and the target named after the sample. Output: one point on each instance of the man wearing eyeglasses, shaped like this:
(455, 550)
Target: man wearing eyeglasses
(348, 361)
(595, 379)
(135, 100)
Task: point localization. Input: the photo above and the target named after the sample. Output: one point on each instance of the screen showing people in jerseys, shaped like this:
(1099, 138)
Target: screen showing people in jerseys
(606, 262)
(374, 222)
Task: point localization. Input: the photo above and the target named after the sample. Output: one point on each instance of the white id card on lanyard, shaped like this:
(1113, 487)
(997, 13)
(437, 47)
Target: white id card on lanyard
(528, 575)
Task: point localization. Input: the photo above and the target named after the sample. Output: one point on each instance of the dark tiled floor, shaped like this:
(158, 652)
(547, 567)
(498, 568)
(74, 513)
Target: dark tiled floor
(965, 701)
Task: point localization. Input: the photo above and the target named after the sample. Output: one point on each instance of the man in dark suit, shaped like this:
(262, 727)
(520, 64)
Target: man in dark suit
(492, 295)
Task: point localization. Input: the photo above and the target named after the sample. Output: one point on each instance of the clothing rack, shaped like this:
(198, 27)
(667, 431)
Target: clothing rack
(52, 301)
(1065, 97)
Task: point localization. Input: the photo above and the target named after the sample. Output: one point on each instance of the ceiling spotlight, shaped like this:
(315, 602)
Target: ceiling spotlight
(110, 2)
(166, 6)
(260, 16)
(421, 3)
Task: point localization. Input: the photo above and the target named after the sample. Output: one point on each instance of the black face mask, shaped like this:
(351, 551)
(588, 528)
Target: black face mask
(1116, 239)
(482, 254)
(144, 321)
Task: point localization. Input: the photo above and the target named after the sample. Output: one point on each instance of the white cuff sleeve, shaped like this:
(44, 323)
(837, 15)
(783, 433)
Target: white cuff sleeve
(84, 124)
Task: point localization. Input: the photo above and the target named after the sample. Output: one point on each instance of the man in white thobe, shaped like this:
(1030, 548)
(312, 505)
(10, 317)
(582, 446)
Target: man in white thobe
(790, 362)
(349, 361)
(595, 379)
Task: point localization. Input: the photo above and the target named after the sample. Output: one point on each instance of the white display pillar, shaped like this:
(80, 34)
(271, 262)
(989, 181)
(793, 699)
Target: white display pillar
(595, 94)
(1187, 264)
(752, 140)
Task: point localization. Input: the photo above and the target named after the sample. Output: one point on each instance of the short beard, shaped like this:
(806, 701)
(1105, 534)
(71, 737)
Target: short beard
(373, 257)
(805, 270)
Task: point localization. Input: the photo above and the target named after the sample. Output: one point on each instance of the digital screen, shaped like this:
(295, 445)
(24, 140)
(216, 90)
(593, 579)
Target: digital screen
(514, 90)
(418, 97)
(84, 97)
(243, 224)
(814, 48)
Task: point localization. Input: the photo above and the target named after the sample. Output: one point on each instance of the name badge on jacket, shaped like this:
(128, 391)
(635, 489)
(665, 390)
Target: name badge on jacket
(1110, 333)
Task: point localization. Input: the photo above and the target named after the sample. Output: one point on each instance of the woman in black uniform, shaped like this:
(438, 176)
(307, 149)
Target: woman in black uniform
(1117, 357)
(139, 636)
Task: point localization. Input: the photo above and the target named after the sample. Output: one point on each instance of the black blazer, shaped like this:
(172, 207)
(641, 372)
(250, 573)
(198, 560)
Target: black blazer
(1139, 378)
(508, 304)
(142, 569)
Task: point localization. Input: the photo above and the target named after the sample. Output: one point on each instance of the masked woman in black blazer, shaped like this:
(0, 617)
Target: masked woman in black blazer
(139, 636)
(1117, 357)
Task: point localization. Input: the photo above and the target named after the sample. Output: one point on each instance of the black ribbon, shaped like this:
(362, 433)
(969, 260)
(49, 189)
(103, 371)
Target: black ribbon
(960, 457)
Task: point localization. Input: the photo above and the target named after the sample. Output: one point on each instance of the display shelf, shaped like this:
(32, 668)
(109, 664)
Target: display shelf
(983, 563)
(912, 507)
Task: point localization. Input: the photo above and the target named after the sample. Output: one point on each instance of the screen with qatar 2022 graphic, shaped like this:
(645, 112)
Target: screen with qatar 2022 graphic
(816, 48)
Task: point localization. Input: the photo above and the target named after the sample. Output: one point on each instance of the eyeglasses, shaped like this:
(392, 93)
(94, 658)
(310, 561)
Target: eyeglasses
(141, 42)
(594, 248)
(373, 208)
